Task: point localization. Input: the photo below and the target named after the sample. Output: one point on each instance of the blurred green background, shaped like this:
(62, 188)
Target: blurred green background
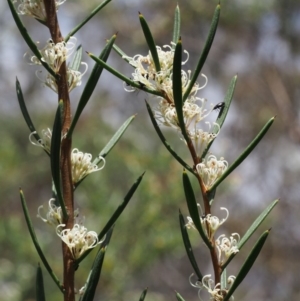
(259, 41)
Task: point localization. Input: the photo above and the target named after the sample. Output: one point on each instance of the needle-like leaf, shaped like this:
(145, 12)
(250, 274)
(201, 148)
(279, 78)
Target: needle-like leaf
(36, 243)
(245, 154)
(150, 42)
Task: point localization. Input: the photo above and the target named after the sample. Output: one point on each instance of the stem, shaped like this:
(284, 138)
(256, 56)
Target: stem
(213, 251)
(66, 146)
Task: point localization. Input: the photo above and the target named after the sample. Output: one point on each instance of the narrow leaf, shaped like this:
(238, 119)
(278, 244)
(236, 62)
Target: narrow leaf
(40, 291)
(150, 42)
(28, 39)
(245, 154)
(143, 295)
(91, 84)
(252, 229)
(95, 272)
(205, 51)
(256, 223)
(115, 215)
(76, 61)
(248, 264)
(127, 80)
(223, 113)
(193, 207)
(179, 297)
(176, 28)
(36, 243)
(55, 157)
(188, 246)
(224, 279)
(165, 143)
(92, 14)
(177, 89)
(113, 141)
(24, 110)
(121, 53)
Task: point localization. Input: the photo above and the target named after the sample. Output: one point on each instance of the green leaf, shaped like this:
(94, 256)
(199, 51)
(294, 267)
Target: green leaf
(252, 229)
(256, 223)
(223, 113)
(177, 89)
(224, 279)
(25, 112)
(28, 39)
(91, 84)
(92, 14)
(193, 208)
(115, 215)
(40, 291)
(176, 27)
(127, 80)
(113, 141)
(245, 154)
(55, 157)
(95, 272)
(165, 143)
(248, 264)
(121, 53)
(76, 61)
(143, 295)
(177, 85)
(150, 42)
(188, 246)
(36, 243)
(205, 51)
(179, 297)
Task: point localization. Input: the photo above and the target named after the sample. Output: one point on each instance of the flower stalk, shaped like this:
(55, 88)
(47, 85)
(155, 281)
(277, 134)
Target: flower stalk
(66, 148)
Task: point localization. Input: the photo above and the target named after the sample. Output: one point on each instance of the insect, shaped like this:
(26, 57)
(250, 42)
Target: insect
(219, 107)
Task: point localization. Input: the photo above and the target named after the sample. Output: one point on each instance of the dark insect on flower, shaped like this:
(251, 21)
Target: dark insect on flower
(219, 107)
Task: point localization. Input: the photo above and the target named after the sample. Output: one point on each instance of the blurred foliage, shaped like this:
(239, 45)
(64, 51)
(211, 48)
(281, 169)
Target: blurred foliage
(259, 40)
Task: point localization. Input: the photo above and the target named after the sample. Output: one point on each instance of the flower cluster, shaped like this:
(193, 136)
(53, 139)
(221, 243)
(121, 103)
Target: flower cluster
(54, 215)
(216, 292)
(44, 142)
(78, 239)
(209, 223)
(211, 169)
(194, 108)
(227, 246)
(55, 55)
(35, 8)
(82, 164)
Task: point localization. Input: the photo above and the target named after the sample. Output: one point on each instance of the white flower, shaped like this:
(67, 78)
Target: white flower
(78, 239)
(145, 71)
(73, 77)
(35, 8)
(54, 216)
(215, 291)
(227, 246)
(212, 223)
(45, 141)
(55, 54)
(211, 169)
(82, 165)
(190, 224)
